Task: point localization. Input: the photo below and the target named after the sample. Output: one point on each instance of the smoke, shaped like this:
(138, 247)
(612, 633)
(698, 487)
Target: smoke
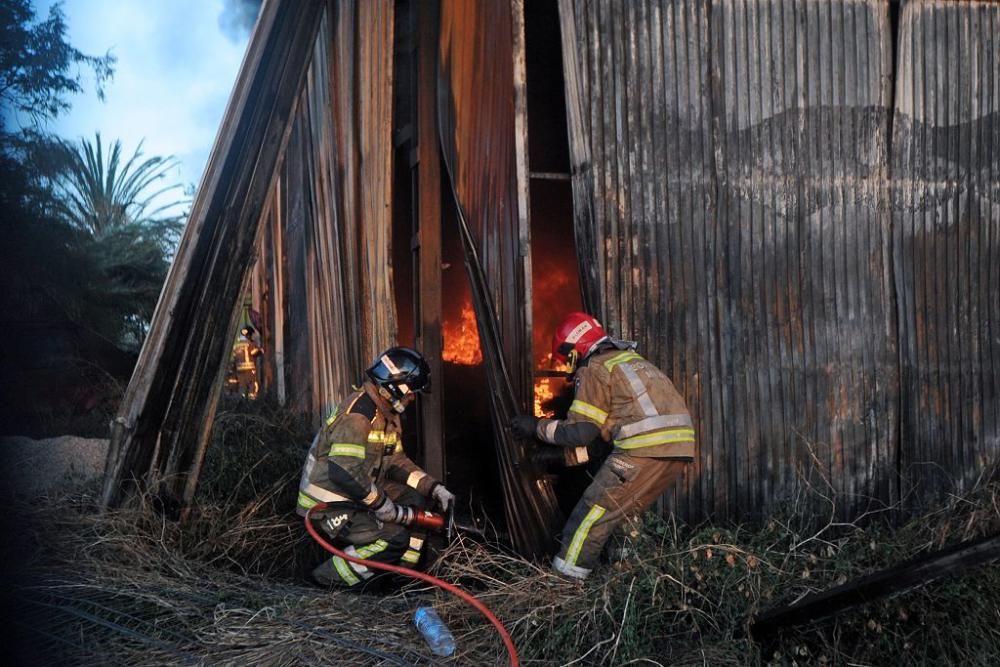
(237, 18)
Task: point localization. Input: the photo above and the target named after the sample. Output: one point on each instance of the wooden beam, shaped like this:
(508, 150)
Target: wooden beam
(278, 268)
(522, 371)
(590, 267)
(428, 217)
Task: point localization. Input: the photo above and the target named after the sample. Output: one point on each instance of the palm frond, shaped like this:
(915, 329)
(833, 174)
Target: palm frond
(100, 191)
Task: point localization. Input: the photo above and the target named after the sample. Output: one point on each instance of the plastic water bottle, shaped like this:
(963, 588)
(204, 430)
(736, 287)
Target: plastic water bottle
(434, 630)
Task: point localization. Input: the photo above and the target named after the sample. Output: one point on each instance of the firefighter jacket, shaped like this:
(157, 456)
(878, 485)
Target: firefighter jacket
(632, 402)
(244, 353)
(356, 452)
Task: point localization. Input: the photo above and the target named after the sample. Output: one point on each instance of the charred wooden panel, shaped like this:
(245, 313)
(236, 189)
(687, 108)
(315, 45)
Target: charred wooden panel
(427, 192)
(476, 107)
(477, 93)
(361, 103)
(335, 214)
(729, 166)
(802, 95)
(946, 213)
(163, 423)
(296, 216)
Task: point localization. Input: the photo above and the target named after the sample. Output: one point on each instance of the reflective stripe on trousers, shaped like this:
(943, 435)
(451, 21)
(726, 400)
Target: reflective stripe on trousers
(412, 554)
(625, 485)
(351, 572)
(581, 533)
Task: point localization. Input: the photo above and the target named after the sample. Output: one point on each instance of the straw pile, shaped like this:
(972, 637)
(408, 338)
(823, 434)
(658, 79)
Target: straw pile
(131, 587)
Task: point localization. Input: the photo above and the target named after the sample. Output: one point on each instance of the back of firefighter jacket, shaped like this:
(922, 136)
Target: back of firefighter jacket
(635, 405)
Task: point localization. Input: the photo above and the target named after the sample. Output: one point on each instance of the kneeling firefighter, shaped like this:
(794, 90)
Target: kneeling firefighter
(620, 397)
(356, 464)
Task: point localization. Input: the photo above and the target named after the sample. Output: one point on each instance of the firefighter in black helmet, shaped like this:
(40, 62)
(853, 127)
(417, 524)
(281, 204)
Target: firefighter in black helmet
(620, 397)
(356, 464)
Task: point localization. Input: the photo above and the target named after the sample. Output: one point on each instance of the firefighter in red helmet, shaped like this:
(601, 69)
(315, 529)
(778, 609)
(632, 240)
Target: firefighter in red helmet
(619, 397)
(356, 464)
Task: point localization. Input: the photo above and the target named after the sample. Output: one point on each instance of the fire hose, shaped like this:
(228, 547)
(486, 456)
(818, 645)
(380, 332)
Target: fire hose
(432, 520)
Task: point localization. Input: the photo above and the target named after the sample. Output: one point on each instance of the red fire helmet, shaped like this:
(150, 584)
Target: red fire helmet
(580, 332)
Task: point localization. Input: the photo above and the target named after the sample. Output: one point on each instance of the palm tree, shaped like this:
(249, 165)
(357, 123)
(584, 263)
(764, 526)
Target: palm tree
(129, 224)
(98, 196)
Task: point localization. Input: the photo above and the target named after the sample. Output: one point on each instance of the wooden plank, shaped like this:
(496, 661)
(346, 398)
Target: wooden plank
(703, 211)
(522, 256)
(580, 161)
(428, 195)
(346, 155)
(278, 293)
(375, 29)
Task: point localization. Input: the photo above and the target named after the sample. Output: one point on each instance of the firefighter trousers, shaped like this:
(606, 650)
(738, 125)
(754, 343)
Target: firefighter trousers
(358, 533)
(624, 487)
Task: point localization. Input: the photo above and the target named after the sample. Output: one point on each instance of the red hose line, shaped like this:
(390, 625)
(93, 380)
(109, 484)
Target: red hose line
(405, 571)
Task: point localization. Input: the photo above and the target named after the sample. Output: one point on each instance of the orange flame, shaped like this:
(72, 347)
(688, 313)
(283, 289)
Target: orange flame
(461, 339)
(543, 392)
(556, 292)
(546, 388)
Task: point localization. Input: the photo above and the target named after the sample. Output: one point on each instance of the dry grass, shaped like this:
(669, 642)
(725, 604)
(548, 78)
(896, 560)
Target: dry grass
(226, 588)
(132, 588)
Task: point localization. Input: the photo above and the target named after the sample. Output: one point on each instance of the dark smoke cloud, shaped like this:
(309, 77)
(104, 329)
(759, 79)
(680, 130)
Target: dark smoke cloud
(237, 18)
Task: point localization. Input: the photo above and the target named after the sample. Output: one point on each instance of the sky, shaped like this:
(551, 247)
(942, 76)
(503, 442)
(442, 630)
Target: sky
(177, 63)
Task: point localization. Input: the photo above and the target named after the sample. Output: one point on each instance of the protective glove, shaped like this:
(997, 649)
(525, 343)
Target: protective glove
(523, 426)
(388, 511)
(443, 496)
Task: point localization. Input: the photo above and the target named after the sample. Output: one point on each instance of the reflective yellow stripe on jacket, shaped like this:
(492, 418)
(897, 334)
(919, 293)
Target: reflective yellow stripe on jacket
(305, 502)
(658, 438)
(378, 546)
(658, 430)
(347, 449)
(344, 570)
(589, 411)
(380, 438)
(620, 359)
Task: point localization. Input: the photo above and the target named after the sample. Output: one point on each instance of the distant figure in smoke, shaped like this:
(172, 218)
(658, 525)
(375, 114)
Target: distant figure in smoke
(357, 464)
(245, 354)
(621, 397)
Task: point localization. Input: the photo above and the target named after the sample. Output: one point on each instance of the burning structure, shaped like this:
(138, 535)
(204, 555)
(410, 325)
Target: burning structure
(793, 204)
